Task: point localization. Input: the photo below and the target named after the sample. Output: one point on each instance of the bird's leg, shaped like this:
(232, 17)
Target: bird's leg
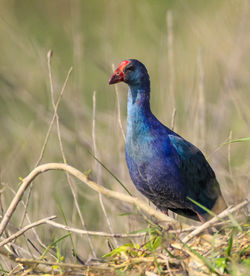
(168, 226)
(202, 220)
(165, 212)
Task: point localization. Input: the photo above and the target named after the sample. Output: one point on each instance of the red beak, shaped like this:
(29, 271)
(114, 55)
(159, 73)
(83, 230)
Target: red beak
(118, 75)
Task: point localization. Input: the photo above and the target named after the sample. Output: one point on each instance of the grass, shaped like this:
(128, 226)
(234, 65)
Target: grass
(203, 74)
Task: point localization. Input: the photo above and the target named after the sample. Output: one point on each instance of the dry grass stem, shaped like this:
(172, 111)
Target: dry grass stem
(62, 149)
(199, 88)
(55, 107)
(201, 102)
(170, 42)
(229, 154)
(29, 221)
(24, 229)
(119, 109)
(98, 168)
(94, 233)
(96, 187)
(32, 262)
(234, 62)
(118, 235)
(173, 119)
(112, 194)
(212, 221)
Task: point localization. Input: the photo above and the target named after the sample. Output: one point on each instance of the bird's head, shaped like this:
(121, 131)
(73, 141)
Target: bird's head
(132, 72)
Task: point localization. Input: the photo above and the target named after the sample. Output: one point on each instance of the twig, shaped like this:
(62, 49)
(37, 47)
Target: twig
(24, 229)
(98, 188)
(98, 168)
(94, 233)
(119, 109)
(212, 221)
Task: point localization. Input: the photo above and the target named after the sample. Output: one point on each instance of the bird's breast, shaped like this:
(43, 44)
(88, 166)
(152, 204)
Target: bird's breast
(140, 150)
(155, 176)
(152, 161)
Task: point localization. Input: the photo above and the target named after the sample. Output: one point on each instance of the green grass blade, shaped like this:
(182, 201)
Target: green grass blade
(234, 222)
(116, 178)
(65, 221)
(238, 140)
(204, 208)
(209, 265)
(246, 139)
(125, 214)
(51, 245)
(230, 244)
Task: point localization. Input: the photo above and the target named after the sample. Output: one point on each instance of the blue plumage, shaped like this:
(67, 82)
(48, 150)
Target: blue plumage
(163, 166)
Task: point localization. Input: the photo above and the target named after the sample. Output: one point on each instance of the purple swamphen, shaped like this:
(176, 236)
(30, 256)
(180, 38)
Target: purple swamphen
(164, 167)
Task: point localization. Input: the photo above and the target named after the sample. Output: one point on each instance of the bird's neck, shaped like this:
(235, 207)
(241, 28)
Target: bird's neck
(138, 110)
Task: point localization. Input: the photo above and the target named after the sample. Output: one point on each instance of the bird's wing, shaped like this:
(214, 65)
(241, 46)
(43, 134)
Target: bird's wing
(200, 179)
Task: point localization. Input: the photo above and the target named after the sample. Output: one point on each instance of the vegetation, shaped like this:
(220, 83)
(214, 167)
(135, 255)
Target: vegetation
(197, 53)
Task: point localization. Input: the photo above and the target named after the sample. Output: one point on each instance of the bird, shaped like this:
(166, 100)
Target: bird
(167, 169)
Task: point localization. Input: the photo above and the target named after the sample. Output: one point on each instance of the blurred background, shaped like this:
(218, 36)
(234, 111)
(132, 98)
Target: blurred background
(197, 55)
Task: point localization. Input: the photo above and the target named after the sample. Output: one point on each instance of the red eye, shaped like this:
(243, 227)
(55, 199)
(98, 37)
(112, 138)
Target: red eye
(130, 68)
